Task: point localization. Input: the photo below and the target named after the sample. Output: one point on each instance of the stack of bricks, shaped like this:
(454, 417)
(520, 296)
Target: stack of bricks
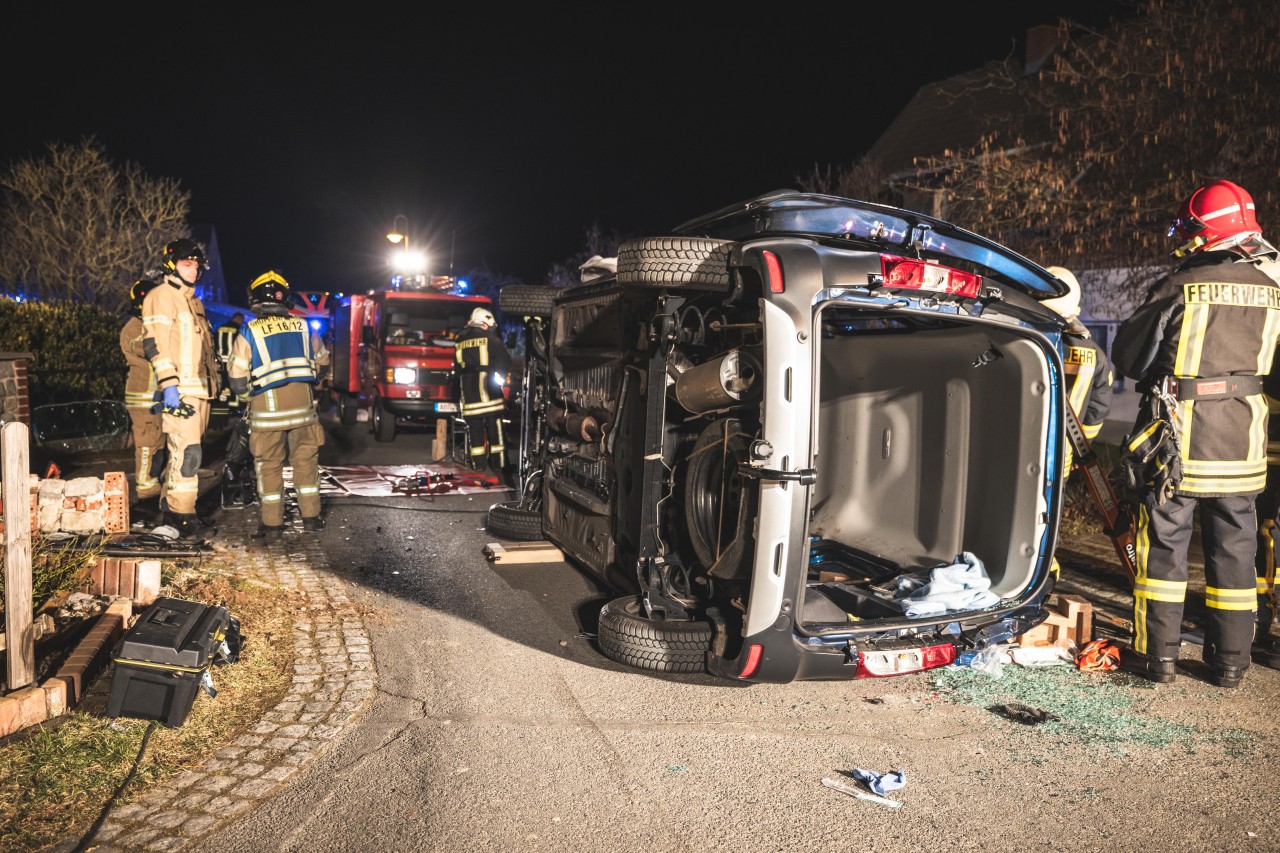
(15, 399)
(83, 505)
(135, 579)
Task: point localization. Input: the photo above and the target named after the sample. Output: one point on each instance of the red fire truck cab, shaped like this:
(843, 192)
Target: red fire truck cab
(393, 354)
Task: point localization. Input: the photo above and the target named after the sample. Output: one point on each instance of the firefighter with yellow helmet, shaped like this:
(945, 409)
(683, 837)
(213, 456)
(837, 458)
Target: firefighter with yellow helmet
(275, 364)
(1199, 346)
(178, 342)
(141, 395)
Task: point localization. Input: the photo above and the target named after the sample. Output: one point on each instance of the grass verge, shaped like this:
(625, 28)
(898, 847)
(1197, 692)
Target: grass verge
(55, 778)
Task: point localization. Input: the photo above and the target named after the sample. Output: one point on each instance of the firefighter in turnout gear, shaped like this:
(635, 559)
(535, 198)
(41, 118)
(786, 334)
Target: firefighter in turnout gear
(484, 367)
(141, 395)
(179, 344)
(275, 364)
(1199, 347)
(1089, 373)
(223, 338)
(1266, 649)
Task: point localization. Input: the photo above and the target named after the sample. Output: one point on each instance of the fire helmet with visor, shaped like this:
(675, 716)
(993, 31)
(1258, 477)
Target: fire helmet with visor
(1217, 215)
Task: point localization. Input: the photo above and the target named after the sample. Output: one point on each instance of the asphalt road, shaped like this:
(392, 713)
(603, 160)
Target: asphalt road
(499, 725)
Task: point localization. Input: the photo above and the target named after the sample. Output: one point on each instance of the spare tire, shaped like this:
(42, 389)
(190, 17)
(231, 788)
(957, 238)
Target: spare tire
(527, 300)
(627, 636)
(700, 263)
(511, 521)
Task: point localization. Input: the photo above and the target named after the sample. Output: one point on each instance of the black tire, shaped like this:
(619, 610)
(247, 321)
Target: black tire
(511, 521)
(348, 408)
(694, 262)
(527, 300)
(718, 504)
(627, 637)
(382, 422)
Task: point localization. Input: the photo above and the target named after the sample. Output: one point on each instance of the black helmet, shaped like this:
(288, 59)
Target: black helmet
(269, 287)
(141, 288)
(181, 250)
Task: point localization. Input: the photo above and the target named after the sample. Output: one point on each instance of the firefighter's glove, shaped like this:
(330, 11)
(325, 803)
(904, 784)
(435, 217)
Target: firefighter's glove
(1151, 461)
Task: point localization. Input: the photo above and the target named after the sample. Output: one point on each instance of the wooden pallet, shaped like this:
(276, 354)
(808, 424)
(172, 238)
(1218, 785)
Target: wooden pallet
(513, 553)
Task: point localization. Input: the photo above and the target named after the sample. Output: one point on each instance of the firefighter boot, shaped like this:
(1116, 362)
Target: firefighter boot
(1226, 676)
(187, 525)
(1267, 652)
(1159, 670)
(313, 524)
(267, 532)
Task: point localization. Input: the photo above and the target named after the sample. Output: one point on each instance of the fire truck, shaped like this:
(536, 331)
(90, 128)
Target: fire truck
(392, 354)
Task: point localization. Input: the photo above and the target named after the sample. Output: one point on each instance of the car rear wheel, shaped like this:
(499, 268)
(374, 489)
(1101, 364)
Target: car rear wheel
(694, 262)
(383, 422)
(347, 408)
(627, 636)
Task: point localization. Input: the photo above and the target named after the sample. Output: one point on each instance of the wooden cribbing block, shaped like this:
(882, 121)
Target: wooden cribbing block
(523, 552)
(1070, 618)
(440, 444)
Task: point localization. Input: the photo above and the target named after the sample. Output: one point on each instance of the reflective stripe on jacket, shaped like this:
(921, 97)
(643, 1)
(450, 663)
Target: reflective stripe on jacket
(272, 363)
(481, 357)
(1216, 315)
(178, 341)
(140, 385)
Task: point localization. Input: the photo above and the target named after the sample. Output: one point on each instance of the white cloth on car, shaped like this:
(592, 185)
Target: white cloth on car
(962, 585)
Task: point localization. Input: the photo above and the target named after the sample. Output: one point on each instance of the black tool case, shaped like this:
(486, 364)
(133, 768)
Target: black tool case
(161, 661)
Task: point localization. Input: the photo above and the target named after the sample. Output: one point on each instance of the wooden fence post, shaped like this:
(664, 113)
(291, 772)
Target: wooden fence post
(20, 638)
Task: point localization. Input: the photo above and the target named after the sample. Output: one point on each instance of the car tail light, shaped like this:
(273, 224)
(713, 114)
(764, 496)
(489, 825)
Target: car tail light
(923, 275)
(902, 661)
(753, 661)
(773, 267)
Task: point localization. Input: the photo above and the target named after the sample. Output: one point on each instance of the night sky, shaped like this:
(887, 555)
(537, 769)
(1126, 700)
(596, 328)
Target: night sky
(500, 138)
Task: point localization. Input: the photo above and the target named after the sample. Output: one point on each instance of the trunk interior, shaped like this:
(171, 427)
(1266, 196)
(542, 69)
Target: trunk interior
(929, 442)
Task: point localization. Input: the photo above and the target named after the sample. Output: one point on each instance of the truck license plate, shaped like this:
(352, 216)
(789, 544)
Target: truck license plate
(446, 407)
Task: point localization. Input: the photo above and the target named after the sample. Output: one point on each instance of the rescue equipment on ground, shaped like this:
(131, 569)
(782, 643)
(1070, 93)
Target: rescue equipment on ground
(1100, 655)
(166, 656)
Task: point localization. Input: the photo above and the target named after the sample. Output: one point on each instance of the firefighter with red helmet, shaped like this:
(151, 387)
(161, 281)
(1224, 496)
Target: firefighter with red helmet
(178, 342)
(275, 362)
(140, 397)
(484, 367)
(1200, 346)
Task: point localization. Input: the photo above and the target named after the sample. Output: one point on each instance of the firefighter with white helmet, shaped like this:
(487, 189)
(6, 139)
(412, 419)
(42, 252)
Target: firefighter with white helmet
(484, 368)
(1089, 373)
(1200, 346)
(178, 342)
(275, 364)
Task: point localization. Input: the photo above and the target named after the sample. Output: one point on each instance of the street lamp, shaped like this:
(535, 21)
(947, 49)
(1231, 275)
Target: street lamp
(406, 263)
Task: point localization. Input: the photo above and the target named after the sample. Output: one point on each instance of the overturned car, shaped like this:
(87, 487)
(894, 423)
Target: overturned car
(808, 437)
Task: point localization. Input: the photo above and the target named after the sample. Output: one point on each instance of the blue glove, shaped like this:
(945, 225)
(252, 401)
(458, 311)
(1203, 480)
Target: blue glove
(172, 399)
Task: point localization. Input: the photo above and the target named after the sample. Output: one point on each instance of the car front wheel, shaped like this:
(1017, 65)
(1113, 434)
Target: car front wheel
(629, 637)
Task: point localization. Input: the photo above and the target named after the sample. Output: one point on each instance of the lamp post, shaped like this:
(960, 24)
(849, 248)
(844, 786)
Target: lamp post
(398, 233)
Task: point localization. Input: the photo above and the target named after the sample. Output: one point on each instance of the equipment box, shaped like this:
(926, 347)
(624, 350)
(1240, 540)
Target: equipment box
(162, 660)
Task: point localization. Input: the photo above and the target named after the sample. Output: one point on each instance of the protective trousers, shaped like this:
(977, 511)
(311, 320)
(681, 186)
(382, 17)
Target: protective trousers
(183, 437)
(484, 433)
(1163, 534)
(301, 445)
(148, 453)
(1268, 511)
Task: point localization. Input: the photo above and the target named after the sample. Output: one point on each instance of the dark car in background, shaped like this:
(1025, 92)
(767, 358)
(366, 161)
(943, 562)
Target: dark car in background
(804, 437)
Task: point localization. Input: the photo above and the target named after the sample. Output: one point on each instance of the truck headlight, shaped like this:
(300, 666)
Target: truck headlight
(402, 375)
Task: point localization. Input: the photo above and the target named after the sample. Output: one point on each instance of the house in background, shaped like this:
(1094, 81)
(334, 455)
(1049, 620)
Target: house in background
(953, 114)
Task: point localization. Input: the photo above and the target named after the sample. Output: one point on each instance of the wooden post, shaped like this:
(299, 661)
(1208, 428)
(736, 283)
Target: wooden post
(20, 656)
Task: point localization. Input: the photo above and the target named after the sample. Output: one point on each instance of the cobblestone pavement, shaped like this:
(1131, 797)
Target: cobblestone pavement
(333, 681)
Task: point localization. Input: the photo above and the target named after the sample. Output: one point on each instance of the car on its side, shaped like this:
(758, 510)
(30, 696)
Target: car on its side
(804, 437)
